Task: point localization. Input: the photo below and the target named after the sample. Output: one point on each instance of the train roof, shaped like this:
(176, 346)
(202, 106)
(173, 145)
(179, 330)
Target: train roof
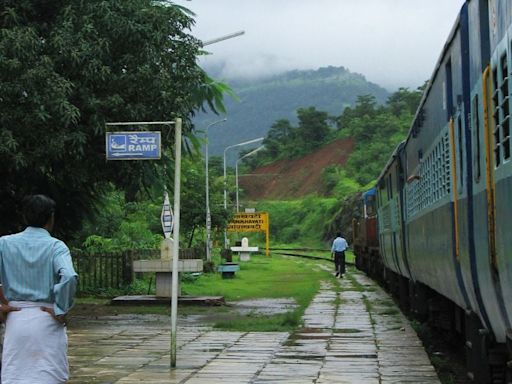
(446, 47)
(390, 161)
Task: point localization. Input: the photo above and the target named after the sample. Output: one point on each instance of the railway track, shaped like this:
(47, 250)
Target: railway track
(293, 252)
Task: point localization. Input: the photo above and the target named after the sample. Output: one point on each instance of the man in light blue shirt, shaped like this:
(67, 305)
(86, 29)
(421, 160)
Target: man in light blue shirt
(339, 246)
(39, 284)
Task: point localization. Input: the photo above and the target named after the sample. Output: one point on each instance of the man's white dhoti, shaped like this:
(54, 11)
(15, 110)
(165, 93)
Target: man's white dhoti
(35, 346)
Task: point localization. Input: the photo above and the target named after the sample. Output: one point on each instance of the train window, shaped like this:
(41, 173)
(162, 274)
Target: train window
(505, 128)
(370, 206)
(434, 181)
(475, 123)
(390, 187)
(449, 90)
(501, 112)
(461, 152)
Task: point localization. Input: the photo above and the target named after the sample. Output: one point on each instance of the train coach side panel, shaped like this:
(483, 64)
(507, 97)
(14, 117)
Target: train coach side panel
(434, 205)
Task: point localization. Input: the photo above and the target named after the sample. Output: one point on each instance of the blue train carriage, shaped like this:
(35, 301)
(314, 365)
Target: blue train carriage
(391, 230)
(487, 148)
(436, 201)
(491, 182)
(457, 159)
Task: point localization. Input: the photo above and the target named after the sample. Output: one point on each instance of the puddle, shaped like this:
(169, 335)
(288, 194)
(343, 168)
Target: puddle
(263, 306)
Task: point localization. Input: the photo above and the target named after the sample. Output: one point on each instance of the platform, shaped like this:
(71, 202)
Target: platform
(344, 340)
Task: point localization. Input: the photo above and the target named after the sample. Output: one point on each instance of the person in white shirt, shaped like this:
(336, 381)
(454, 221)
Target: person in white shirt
(339, 246)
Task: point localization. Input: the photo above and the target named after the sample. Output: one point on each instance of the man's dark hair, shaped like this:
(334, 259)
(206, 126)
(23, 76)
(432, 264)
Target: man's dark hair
(338, 234)
(37, 210)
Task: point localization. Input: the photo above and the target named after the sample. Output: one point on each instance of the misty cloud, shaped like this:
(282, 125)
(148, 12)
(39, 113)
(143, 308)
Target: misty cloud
(391, 42)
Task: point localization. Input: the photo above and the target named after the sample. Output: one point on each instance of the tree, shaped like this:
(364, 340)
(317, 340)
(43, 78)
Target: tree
(313, 128)
(66, 68)
(405, 101)
(280, 133)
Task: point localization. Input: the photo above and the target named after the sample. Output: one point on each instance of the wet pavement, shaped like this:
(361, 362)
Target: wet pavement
(356, 335)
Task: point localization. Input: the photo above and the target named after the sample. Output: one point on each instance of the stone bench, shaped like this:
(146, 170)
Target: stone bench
(244, 251)
(228, 270)
(163, 268)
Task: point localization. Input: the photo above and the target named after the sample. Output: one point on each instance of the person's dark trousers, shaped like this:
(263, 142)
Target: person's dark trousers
(339, 262)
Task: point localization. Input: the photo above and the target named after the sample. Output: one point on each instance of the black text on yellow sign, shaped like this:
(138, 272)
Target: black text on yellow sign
(249, 222)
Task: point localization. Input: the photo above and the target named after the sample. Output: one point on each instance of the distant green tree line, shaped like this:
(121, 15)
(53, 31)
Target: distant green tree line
(376, 130)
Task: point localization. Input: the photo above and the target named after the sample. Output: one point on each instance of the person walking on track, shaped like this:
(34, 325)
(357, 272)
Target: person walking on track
(339, 246)
(39, 284)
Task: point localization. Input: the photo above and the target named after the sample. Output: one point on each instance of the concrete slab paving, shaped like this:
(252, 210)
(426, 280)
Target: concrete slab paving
(352, 333)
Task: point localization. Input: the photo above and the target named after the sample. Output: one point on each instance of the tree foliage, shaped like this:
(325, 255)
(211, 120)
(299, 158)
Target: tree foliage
(285, 141)
(66, 68)
(376, 130)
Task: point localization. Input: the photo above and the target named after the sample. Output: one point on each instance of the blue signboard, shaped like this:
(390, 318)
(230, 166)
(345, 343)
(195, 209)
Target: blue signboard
(133, 145)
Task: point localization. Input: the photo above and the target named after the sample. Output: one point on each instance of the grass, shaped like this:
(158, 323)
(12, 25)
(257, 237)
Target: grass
(262, 277)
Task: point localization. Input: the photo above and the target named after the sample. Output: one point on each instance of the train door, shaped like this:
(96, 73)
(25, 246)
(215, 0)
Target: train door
(500, 175)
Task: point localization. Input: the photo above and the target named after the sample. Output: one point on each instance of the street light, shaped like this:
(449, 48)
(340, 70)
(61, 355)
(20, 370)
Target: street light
(236, 172)
(218, 39)
(208, 215)
(225, 179)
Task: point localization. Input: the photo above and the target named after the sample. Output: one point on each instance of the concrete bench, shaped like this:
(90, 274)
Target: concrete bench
(228, 270)
(244, 251)
(163, 268)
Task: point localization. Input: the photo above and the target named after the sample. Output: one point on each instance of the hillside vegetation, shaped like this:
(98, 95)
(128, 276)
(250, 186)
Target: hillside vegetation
(262, 102)
(327, 203)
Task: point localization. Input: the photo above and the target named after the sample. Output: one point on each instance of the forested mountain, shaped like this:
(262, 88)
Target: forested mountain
(262, 102)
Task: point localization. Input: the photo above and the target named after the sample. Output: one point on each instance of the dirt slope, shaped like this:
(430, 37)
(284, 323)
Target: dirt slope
(294, 178)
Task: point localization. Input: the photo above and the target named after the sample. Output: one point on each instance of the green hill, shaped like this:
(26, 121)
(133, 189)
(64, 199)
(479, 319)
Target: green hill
(262, 102)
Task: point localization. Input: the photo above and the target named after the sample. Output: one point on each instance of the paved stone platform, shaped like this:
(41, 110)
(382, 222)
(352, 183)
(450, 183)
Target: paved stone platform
(356, 335)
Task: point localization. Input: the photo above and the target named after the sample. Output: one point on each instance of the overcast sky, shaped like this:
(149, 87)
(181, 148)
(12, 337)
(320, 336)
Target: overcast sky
(391, 42)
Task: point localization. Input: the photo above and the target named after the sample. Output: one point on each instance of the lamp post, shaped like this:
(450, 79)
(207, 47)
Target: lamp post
(225, 180)
(236, 172)
(222, 38)
(208, 215)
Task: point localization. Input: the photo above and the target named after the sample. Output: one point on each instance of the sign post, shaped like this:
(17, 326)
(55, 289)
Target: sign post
(176, 244)
(146, 145)
(252, 222)
(133, 145)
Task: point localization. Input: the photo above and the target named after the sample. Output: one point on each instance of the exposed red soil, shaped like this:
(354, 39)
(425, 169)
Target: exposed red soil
(295, 178)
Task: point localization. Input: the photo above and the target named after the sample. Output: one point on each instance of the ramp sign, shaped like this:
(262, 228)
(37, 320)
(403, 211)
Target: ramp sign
(133, 145)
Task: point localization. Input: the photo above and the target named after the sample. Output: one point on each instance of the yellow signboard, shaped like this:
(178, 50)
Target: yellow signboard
(251, 222)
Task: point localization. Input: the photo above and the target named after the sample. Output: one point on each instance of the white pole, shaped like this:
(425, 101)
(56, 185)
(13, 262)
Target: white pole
(236, 172)
(208, 213)
(225, 198)
(208, 216)
(236, 183)
(225, 179)
(176, 240)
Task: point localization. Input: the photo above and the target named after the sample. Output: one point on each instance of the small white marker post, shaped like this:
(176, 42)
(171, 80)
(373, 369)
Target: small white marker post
(176, 230)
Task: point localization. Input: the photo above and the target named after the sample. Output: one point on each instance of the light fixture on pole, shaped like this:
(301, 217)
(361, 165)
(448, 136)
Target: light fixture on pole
(236, 172)
(208, 214)
(225, 179)
(222, 38)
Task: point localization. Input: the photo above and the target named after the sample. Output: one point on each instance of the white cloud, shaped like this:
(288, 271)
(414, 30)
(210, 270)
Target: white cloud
(392, 42)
